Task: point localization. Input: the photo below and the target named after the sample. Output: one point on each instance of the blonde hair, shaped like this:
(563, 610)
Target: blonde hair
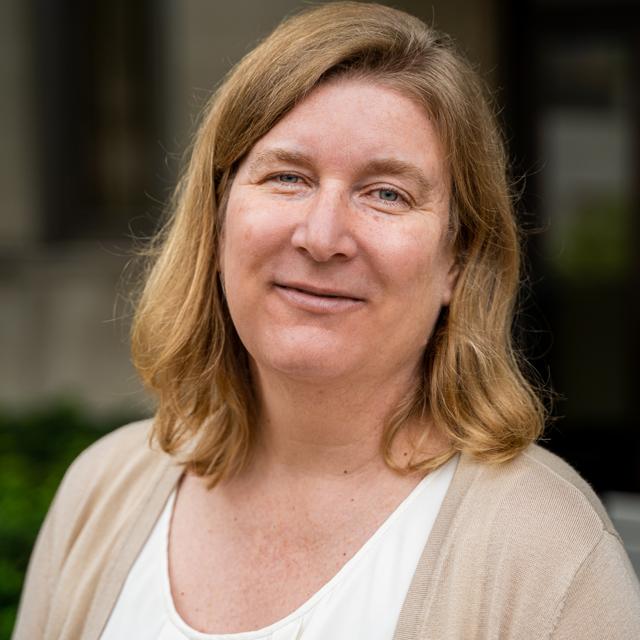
(184, 344)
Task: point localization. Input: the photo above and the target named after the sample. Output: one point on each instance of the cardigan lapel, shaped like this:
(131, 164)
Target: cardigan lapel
(126, 552)
(413, 615)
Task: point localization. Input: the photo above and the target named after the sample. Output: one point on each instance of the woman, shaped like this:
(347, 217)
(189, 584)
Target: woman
(343, 443)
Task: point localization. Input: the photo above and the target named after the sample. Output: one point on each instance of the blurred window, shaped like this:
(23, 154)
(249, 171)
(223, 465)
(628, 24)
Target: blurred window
(586, 146)
(99, 112)
(573, 77)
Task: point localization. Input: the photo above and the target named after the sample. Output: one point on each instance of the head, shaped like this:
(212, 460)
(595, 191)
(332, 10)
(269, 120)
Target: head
(468, 379)
(336, 253)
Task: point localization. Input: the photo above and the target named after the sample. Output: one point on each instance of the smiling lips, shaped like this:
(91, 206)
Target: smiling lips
(316, 299)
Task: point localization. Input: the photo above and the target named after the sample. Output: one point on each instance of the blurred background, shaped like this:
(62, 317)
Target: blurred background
(99, 100)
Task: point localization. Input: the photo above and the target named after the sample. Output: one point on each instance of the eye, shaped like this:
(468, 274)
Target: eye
(285, 182)
(288, 178)
(389, 195)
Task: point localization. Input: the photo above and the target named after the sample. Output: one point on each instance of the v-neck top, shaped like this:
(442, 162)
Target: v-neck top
(362, 600)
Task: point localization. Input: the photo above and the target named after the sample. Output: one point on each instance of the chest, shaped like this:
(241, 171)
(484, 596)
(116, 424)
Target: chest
(261, 562)
(364, 599)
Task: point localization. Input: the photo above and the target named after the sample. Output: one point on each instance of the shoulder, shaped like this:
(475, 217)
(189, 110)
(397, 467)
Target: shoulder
(125, 447)
(530, 527)
(540, 488)
(522, 547)
(538, 507)
(122, 454)
(105, 505)
(538, 482)
(109, 478)
(552, 529)
(545, 469)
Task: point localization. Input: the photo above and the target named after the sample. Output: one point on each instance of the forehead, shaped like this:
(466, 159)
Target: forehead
(355, 121)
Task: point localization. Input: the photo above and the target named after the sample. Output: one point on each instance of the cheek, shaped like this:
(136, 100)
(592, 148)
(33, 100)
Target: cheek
(407, 258)
(250, 235)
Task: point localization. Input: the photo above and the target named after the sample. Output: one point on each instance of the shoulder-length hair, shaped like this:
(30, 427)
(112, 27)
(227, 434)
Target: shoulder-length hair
(184, 344)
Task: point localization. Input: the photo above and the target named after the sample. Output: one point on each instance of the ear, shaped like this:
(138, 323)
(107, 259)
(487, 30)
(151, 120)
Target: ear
(221, 284)
(450, 281)
(219, 266)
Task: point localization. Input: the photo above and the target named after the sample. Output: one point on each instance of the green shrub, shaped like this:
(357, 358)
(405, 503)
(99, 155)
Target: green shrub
(35, 450)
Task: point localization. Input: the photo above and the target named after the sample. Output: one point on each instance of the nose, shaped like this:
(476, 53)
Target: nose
(323, 232)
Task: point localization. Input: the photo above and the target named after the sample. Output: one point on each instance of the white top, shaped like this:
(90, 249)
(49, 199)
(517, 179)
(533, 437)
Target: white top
(363, 600)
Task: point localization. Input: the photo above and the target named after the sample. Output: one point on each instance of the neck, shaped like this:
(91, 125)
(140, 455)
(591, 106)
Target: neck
(328, 431)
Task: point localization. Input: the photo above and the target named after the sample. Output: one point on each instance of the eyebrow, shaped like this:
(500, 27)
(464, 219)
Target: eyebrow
(386, 166)
(401, 168)
(279, 155)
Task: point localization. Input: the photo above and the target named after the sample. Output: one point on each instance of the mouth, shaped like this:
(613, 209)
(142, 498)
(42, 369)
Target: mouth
(318, 299)
(319, 292)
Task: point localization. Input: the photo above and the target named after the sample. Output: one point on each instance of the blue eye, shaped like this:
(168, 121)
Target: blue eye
(388, 195)
(288, 178)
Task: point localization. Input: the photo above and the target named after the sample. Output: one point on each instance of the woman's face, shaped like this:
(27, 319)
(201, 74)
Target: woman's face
(335, 255)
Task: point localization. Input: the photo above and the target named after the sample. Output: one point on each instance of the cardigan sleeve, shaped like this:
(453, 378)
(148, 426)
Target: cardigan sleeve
(33, 611)
(111, 493)
(603, 600)
(60, 524)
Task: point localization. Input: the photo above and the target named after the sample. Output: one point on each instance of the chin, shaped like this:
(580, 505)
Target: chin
(307, 356)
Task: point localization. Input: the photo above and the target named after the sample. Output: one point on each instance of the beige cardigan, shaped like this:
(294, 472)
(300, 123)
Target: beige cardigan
(518, 551)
